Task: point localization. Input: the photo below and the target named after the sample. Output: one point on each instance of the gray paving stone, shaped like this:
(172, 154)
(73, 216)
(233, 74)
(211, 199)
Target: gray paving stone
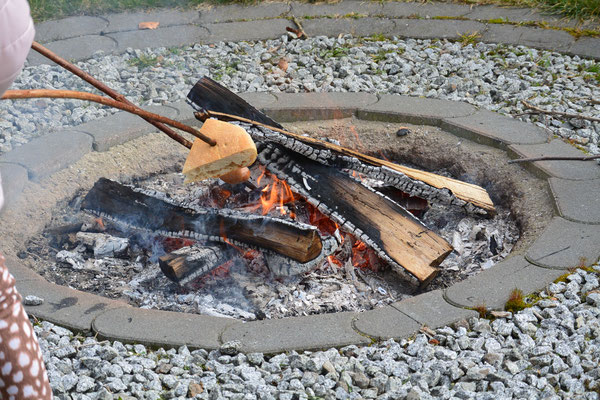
(300, 333)
(512, 14)
(14, 179)
(586, 47)
(75, 49)
(357, 27)
(259, 100)
(50, 153)
(565, 244)
(62, 305)
(130, 21)
(575, 170)
(70, 27)
(317, 106)
(432, 309)
(185, 113)
(550, 39)
(338, 9)
(170, 36)
(494, 129)
(238, 12)
(414, 110)
(247, 30)
(492, 287)
(122, 127)
(502, 34)
(385, 323)
(436, 29)
(161, 328)
(577, 200)
(398, 9)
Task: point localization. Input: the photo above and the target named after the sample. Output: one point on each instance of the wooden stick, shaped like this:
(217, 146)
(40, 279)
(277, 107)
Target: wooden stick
(558, 113)
(555, 158)
(71, 94)
(473, 194)
(105, 89)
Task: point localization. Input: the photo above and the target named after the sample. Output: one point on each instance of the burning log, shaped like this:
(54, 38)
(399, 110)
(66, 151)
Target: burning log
(301, 244)
(188, 263)
(395, 234)
(216, 101)
(397, 237)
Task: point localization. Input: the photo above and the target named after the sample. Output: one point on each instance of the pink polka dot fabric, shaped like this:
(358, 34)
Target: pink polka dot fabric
(22, 371)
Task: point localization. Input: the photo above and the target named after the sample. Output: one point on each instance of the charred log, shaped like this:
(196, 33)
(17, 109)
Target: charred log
(217, 101)
(300, 243)
(393, 232)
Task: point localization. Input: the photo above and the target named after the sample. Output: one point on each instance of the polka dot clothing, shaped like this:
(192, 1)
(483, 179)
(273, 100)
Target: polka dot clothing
(22, 371)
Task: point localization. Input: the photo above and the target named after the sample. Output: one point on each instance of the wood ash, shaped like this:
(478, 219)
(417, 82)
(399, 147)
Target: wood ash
(89, 254)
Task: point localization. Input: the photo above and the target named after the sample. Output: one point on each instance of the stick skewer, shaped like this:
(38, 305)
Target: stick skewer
(105, 89)
(71, 94)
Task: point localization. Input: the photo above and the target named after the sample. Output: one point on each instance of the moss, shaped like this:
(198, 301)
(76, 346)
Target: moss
(497, 21)
(443, 17)
(516, 301)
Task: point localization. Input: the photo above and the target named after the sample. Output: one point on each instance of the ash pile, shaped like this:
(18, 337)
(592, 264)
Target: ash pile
(110, 258)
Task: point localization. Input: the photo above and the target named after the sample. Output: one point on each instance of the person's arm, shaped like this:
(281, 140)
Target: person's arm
(16, 36)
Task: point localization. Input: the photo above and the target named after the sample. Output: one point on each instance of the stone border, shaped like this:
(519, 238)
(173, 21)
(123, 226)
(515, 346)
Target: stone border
(78, 38)
(572, 234)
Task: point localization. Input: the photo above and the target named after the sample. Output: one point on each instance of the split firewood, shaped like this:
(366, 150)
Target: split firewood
(191, 262)
(300, 243)
(391, 231)
(213, 100)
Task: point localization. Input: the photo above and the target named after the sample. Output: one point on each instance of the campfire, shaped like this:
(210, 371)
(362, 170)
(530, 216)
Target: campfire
(316, 228)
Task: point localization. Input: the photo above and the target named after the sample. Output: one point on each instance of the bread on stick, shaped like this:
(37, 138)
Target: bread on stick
(234, 149)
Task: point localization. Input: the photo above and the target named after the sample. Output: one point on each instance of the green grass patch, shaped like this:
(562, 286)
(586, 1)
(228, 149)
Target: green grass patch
(144, 61)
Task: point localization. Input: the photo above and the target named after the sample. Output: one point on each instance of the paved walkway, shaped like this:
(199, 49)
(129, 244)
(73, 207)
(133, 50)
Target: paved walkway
(78, 38)
(572, 234)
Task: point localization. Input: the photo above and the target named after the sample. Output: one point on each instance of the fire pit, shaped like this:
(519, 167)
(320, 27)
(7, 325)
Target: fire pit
(94, 255)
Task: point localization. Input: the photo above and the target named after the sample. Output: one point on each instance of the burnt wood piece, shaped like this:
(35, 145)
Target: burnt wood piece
(214, 99)
(188, 263)
(209, 95)
(299, 242)
(393, 232)
(325, 154)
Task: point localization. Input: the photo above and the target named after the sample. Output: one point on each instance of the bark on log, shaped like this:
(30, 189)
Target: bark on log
(215, 100)
(299, 242)
(393, 232)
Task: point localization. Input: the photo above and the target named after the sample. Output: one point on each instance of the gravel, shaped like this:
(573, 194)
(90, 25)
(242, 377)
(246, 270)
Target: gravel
(550, 350)
(493, 76)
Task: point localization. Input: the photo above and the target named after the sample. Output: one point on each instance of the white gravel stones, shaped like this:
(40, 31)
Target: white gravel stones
(496, 77)
(496, 360)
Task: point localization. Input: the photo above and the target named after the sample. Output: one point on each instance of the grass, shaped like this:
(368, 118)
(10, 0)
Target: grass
(516, 301)
(53, 9)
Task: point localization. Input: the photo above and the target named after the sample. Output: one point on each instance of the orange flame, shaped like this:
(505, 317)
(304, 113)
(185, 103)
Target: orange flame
(275, 194)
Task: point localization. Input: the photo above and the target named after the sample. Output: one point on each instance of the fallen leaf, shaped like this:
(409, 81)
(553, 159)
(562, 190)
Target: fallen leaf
(148, 25)
(283, 64)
